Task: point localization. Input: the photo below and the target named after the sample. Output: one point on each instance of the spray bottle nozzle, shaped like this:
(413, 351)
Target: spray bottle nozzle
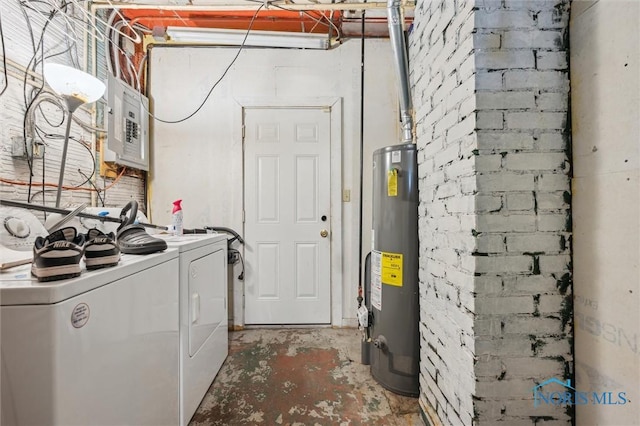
(176, 206)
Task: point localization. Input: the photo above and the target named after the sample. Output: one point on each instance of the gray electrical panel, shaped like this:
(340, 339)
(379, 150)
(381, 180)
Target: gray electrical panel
(127, 125)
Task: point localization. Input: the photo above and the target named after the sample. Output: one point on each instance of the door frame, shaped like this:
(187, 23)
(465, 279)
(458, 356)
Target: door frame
(334, 104)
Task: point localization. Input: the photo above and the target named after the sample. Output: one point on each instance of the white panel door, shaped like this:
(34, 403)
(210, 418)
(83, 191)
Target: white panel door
(287, 211)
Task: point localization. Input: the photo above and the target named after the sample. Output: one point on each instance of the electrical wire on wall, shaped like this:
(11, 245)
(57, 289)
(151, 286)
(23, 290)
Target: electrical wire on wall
(38, 58)
(114, 51)
(42, 20)
(44, 136)
(90, 182)
(319, 21)
(362, 55)
(67, 19)
(234, 257)
(4, 59)
(28, 100)
(224, 73)
(69, 188)
(116, 69)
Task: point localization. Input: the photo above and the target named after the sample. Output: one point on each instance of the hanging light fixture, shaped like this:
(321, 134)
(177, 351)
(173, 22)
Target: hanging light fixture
(76, 88)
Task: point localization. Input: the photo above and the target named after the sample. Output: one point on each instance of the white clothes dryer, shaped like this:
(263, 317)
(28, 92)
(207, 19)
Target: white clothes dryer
(204, 335)
(102, 348)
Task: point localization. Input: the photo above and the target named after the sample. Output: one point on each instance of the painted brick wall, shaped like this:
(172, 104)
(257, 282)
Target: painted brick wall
(490, 80)
(442, 73)
(523, 330)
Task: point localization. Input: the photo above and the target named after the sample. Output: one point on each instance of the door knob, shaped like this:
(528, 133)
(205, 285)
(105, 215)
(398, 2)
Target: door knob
(324, 233)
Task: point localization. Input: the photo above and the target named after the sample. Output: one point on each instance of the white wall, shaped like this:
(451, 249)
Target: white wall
(605, 92)
(200, 160)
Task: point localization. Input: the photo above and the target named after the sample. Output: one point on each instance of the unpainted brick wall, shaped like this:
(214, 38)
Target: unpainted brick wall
(490, 80)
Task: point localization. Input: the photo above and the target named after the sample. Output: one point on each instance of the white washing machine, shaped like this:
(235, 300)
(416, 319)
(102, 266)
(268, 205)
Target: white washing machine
(204, 335)
(99, 349)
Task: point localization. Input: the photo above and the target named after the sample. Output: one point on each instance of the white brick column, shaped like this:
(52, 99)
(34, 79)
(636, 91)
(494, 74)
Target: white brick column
(490, 80)
(442, 72)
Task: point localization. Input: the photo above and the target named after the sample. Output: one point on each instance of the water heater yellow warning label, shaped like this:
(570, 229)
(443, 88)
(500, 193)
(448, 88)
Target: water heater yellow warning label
(392, 269)
(392, 183)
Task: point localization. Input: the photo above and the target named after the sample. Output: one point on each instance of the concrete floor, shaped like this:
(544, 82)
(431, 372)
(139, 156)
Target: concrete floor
(300, 377)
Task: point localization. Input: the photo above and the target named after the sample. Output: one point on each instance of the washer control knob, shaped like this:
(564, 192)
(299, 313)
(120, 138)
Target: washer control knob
(17, 227)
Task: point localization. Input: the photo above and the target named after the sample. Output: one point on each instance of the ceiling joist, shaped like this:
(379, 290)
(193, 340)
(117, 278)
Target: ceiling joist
(230, 5)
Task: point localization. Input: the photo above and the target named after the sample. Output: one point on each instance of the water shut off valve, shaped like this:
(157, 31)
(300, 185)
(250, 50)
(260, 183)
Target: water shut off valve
(380, 342)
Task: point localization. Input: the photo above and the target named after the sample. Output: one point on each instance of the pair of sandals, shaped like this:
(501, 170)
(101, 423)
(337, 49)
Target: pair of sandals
(132, 238)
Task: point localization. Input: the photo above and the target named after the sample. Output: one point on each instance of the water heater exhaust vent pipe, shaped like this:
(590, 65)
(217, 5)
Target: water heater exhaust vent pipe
(395, 20)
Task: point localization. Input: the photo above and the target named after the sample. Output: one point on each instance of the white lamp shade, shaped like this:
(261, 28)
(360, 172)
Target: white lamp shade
(73, 83)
